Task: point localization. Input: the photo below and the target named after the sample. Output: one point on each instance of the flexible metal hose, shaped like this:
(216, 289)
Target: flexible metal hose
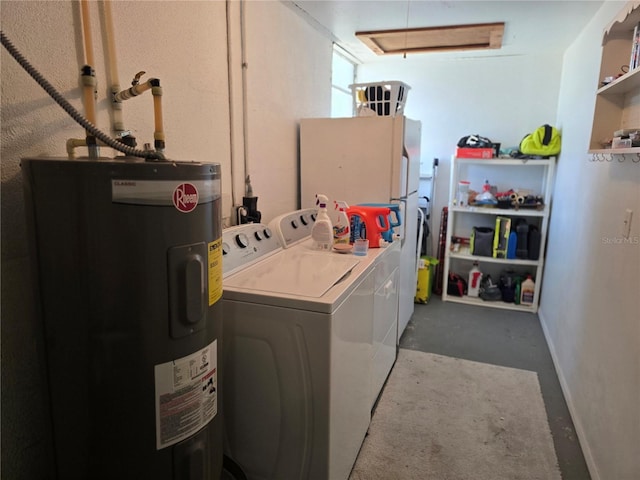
(67, 107)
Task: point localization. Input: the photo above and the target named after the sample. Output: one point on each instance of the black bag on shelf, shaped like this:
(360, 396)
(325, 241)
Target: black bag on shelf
(533, 241)
(522, 229)
(481, 242)
(508, 282)
(490, 291)
(456, 286)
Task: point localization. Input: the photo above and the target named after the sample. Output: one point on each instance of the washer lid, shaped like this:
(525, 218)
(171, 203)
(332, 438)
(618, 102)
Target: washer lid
(298, 272)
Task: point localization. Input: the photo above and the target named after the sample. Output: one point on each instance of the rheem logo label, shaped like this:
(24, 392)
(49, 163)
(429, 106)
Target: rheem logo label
(185, 197)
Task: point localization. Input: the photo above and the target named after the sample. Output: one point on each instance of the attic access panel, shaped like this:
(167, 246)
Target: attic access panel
(434, 39)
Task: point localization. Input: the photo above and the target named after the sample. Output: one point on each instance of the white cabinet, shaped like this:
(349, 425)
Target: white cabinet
(385, 329)
(618, 102)
(532, 177)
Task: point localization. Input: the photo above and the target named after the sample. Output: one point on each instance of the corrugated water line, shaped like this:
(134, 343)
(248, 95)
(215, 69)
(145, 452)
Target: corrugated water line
(70, 109)
(88, 79)
(89, 88)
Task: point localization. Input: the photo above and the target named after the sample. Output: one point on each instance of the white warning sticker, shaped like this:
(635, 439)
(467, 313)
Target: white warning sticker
(186, 395)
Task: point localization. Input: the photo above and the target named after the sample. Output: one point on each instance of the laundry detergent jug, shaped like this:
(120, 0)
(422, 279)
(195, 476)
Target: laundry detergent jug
(395, 218)
(368, 222)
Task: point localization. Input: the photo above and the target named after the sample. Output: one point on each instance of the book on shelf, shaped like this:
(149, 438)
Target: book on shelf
(634, 61)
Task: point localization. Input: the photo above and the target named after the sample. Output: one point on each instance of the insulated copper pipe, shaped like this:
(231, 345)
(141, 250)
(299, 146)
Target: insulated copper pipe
(133, 91)
(88, 89)
(89, 83)
(158, 134)
(86, 30)
(118, 123)
(152, 84)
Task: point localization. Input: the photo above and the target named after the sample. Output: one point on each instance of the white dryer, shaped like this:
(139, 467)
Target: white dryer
(299, 344)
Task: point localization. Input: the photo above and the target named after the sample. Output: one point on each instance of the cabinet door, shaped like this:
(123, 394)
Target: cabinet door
(385, 328)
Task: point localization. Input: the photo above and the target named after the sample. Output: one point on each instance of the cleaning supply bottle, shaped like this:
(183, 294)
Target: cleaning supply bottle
(341, 229)
(527, 291)
(475, 277)
(322, 231)
(512, 245)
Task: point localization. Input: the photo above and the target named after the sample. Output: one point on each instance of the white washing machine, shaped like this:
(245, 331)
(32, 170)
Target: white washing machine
(299, 352)
(295, 227)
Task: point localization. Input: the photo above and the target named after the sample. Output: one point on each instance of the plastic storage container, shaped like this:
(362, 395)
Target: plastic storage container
(426, 270)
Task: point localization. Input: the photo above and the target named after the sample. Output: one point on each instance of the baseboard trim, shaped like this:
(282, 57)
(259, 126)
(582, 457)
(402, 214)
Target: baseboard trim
(584, 444)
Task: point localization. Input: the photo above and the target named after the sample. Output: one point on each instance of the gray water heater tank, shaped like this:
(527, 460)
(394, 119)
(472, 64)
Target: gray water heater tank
(127, 264)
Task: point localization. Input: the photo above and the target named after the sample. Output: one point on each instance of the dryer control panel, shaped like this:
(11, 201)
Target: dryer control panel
(246, 244)
(294, 227)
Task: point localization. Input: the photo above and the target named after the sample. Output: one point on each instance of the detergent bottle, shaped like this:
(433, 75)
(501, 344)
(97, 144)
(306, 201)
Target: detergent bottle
(341, 230)
(527, 291)
(322, 231)
(368, 222)
(395, 218)
(475, 277)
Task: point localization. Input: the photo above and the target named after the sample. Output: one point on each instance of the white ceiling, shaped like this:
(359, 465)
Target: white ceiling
(530, 26)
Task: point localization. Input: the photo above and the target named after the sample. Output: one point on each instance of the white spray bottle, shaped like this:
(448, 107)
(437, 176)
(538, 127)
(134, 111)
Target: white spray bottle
(341, 229)
(322, 231)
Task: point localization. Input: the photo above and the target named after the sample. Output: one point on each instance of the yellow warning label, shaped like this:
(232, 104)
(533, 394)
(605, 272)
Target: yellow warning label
(215, 271)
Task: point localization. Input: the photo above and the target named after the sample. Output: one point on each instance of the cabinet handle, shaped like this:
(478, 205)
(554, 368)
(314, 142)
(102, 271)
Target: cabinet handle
(388, 288)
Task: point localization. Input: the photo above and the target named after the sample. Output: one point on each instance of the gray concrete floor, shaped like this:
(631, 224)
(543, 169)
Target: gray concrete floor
(506, 338)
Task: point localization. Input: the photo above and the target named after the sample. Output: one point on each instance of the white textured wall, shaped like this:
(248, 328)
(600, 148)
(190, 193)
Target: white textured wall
(149, 36)
(500, 97)
(590, 294)
(289, 78)
(184, 44)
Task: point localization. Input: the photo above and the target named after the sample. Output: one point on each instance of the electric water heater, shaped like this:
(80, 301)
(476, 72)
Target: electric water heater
(127, 264)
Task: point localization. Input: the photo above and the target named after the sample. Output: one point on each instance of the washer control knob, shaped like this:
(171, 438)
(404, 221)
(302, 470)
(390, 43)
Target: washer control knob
(267, 233)
(303, 219)
(294, 223)
(258, 235)
(225, 248)
(242, 240)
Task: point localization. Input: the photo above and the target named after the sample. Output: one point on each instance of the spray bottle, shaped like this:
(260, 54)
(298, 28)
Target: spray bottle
(341, 229)
(322, 231)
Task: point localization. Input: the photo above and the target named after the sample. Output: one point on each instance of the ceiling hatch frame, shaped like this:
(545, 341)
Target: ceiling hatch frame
(477, 36)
